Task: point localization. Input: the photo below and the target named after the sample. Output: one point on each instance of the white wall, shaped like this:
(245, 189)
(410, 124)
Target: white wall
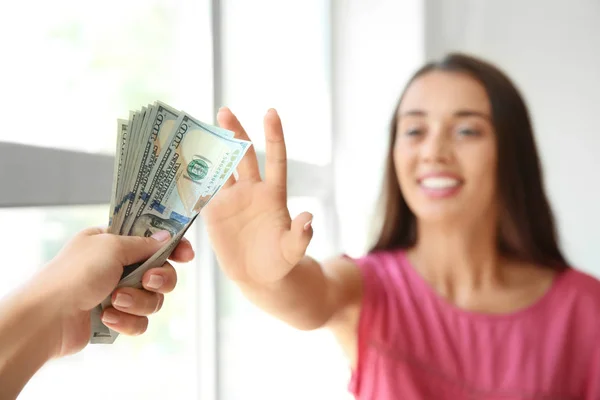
(551, 49)
(377, 44)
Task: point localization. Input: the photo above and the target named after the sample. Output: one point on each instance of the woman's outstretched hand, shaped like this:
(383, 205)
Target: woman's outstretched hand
(248, 221)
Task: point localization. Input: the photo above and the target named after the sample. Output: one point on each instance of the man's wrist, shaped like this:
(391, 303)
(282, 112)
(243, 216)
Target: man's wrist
(30, 332)
(48, 304)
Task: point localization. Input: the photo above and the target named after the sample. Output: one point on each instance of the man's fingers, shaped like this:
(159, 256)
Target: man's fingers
(94, 230)
(183, 252)
(132, 249)
(161, 280)
(276, 158)
(124, 323)
(248, 166)
(136, 301)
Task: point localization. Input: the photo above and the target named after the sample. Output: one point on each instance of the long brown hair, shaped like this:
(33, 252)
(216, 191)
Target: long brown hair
(526, 229)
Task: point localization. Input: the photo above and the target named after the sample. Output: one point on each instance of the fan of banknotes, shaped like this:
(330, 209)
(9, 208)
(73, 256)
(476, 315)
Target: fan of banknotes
(168, 165)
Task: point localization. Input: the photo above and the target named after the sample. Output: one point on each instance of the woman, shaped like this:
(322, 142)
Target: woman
(466, 293)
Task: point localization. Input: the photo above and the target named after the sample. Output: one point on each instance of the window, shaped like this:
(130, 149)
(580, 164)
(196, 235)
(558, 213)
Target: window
(77, 67)
(276, 54)
(72, 69)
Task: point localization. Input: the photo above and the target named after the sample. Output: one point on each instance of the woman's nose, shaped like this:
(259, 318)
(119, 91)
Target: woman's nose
(436, 147)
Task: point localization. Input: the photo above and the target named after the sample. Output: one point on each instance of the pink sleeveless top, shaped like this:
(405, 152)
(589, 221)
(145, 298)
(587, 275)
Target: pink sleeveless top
(412, 344)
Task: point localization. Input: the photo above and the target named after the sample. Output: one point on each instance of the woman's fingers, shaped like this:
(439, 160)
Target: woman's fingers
(296, 240)
(136, 301)
(229, 182)
(248, 166)
(276, 158)
(183, 252)
(124, 323)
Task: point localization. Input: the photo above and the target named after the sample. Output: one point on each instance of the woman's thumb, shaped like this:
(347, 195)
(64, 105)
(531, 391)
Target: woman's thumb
(296, 240)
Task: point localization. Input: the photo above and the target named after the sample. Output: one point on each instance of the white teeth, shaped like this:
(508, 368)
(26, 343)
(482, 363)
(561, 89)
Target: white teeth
(439, 182)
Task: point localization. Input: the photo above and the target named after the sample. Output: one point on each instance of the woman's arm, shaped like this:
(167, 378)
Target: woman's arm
(310, 295)
(263, 250)
(314, 295)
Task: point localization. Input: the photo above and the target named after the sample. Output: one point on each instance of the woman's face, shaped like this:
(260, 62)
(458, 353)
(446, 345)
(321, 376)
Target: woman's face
(445, 148)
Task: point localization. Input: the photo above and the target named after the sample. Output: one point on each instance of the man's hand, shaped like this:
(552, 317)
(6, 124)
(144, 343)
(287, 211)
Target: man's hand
(88, 269)
(49, 316)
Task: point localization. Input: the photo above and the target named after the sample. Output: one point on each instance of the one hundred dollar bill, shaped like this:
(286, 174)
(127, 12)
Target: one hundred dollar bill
(168, 166)
(161, 122)
(190, 171)
(120, 150)
(122, 183)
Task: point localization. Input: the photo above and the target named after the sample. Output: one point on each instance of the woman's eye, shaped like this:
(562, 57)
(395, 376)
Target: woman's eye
(414, 132)
(468, 132)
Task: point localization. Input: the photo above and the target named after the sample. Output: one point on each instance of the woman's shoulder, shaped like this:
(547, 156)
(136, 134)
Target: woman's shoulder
(577, 303)
(379, 259)
(582, 285)
(383, 265)
(576, 298)
(386, 276)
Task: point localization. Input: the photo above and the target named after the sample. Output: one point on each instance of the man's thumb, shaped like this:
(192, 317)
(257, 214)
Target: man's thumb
(134, 249)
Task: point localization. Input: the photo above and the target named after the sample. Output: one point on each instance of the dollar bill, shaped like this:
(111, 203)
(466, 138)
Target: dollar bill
(191, 169)
(128, 145)
(160, 123)
(142, 194)
(118, 165)
(100, 333)
(135, 138)
(168, 166)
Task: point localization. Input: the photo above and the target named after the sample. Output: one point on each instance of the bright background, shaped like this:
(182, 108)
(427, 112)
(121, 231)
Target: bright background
(333, 69)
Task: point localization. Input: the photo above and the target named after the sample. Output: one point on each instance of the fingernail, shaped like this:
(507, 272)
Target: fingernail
(123, 300)
(307, 225)
(223, 108)
(110, 317)
(159, 304)
(271, 111)
(161, 236)
(155, 282)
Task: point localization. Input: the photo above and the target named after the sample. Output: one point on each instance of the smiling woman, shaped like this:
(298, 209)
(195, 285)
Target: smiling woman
(468, 248)
(466, 293)
(484, 127)
(444, 132)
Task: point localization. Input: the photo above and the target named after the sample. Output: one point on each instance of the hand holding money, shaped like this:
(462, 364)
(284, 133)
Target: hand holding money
(168, 166)
(49, 315)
